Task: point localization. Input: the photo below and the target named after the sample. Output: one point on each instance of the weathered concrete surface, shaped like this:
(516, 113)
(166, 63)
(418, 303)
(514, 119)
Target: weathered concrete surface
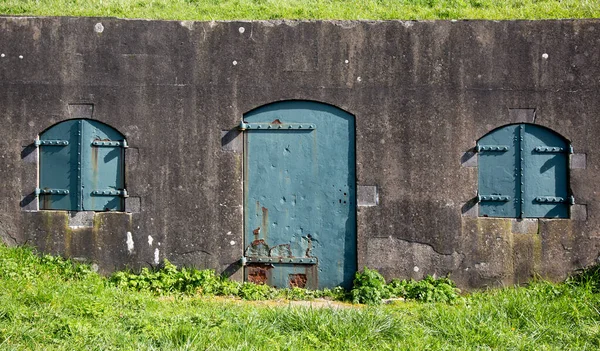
(422, 94)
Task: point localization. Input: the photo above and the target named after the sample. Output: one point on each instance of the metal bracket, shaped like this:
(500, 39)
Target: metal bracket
(498, 148)
(110, 143)
(498, 198)
(39, 191)
(276, 126)
(39, 142)
(292, 260)
(552, 149)
(555, 199)
(110, 192)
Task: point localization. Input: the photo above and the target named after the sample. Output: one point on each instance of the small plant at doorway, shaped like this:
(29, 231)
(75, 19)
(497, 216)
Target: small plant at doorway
(370, 288)
(429, 289)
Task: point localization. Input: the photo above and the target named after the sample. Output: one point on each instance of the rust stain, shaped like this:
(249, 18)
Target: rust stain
(45, 202)
(258, 274)
(265, 221)
(298, 280)
(258, 242)
(309, 248)
(95, 159)
(277, 121)
(256, 232)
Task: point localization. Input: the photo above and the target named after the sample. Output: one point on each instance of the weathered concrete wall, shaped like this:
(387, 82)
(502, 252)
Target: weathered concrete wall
(422, 94)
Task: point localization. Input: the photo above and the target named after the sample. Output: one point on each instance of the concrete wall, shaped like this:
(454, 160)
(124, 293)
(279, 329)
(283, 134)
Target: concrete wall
(422, 93)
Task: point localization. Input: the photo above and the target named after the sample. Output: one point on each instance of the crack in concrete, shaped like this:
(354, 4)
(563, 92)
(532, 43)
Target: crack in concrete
(6, 233)
(420, 243)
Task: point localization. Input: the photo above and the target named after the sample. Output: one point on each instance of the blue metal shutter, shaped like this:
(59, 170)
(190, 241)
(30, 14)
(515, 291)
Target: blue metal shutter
(58, 152)
(498, 176)
(81, 167)
(523, 172)
(545, 167)
(103, 186)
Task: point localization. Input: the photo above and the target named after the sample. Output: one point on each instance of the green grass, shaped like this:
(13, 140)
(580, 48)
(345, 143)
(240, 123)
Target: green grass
(50, 304)
(307, 9)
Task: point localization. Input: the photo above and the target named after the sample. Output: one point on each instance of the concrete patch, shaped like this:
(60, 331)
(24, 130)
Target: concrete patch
(232, 140)
(81, 219)
(521, 115)
(367, 195)
(578, 161)
(525, 226)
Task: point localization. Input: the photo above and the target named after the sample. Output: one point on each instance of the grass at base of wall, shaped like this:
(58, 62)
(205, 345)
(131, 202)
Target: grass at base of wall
(48, 303)
(307, 9)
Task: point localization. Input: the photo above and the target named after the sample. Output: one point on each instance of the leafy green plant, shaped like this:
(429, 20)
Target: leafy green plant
(251, 291)
(369, 287)
(431, 289)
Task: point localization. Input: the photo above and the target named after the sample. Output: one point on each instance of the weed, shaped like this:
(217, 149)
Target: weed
(369, 287)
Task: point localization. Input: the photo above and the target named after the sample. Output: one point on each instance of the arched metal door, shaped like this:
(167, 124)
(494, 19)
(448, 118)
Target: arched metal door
(300, 195)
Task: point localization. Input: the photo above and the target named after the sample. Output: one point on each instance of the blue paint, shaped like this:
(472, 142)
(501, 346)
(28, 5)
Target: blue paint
(300, 190)
(81, 167)
(524, 162)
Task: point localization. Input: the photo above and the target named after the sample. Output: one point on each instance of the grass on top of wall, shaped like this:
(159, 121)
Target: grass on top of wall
(307, 9)
(51, 304)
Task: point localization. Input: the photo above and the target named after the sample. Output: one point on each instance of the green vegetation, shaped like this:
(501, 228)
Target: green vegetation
(369, 286)
(47, 303)
(307, 9)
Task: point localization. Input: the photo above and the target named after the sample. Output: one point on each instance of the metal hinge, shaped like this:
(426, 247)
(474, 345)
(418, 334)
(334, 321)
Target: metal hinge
(276, 126)
(39, 142)
(497, 148)
(499, 198)
(555, 199)
(292, 260)
(110, 143)
(39, 191)
(552, 149)
(111, 192)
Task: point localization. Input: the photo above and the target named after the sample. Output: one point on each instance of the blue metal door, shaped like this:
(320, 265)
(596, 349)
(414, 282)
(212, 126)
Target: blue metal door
(300, 195)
